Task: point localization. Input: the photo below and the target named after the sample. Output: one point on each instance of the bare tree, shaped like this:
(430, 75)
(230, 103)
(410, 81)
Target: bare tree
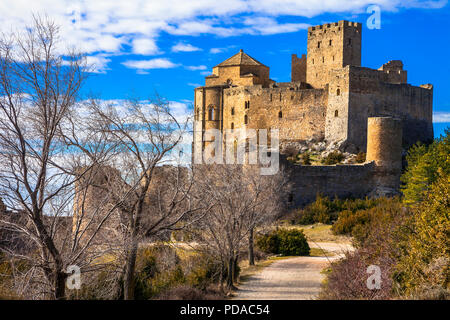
(39, 171)
(270, 194)
(158, 196)
(242, 200)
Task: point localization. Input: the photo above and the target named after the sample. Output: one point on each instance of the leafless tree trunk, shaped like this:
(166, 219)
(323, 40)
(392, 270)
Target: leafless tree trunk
(251, 254)
(38, 175)
(158, 197)
(242, 200)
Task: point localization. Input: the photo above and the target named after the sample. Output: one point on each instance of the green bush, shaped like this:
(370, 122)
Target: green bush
(360, 217)
(326, 211)
(306, 159)
(333, 158)
(424, 162)
(360, 157)
(285, 242)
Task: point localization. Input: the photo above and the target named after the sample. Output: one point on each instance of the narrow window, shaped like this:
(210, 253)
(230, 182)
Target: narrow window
(245, 119)
(338, 92)
(232, 125)
(333, 58)
(280, 96)
(232, 111)
(211, 113)
(336, 113)
(323, 59)
(330, 42)
(290, 197)
(313, 61)
(318, 44)
(270, 97)
(349, 41)
(280, 114)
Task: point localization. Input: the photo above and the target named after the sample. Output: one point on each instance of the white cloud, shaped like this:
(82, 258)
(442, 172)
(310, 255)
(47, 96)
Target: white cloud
(441, 116)
(265, 25)
(144, 46)
(105, 27)
(194, 84)
(99, 63)
(159, 63)
(216, 50)
(195, 68)
(184, 47)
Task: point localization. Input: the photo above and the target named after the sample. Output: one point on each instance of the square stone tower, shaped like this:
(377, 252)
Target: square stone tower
(332, 46)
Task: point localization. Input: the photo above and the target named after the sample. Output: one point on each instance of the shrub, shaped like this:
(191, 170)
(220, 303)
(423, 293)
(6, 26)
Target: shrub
(284, 241)
(306, 159)
(360, 157)
(333, 158)
(202, 271)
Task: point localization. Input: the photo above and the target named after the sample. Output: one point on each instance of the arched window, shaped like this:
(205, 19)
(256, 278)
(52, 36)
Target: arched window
(245, 119)
(336, 113)
(338, 92)
(211, 113)
(280, 114)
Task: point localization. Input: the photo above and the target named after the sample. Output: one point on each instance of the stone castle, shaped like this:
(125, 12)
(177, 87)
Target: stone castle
(331, 99)
(330, 96)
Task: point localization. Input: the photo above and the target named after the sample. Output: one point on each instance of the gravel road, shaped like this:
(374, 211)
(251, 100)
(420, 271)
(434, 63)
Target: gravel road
(296, 278)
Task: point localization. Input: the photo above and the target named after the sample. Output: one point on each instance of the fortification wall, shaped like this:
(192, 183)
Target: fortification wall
(337, 116)
(331, 181)
(298, 113)
(372, 96)
(298, 68)
(332, 45)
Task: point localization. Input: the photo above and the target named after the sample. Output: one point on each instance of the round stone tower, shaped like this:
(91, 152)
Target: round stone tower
(384, 147)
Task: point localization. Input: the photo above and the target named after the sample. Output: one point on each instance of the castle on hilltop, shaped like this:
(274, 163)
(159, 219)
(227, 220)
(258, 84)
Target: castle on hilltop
(331, 100)
(330, 96)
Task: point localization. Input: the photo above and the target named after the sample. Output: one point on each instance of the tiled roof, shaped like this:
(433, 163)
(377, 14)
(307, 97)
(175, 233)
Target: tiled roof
(240, 59)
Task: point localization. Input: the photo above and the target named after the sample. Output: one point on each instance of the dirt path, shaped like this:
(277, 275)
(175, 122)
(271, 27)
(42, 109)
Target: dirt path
(296, 278)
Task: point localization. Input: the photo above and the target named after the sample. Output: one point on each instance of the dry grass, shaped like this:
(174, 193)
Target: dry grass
(320, 232)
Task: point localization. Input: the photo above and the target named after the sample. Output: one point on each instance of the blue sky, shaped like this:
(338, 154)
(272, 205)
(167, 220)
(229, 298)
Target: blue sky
(143, 46)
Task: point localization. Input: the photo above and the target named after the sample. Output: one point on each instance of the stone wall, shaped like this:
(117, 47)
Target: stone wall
(298, 68)
(330, 46)
(331, 181)
(298, 113)
(372, 96)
